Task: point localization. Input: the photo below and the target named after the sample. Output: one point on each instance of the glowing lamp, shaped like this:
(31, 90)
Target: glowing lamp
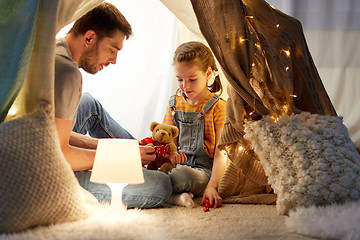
(117, 163)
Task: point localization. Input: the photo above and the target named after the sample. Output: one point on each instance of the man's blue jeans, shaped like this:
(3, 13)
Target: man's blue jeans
(93, 119)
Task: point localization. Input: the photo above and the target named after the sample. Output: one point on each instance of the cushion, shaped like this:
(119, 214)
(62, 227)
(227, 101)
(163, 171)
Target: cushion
(37, 186)
(309, 159)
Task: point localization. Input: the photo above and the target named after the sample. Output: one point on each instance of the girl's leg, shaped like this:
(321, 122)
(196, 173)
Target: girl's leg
(188, 179)
(92, 118)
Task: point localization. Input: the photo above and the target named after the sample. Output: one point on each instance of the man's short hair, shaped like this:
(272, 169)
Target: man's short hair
(104, 20)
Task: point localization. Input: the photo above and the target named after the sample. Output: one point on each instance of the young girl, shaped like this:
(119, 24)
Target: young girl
(199, 114)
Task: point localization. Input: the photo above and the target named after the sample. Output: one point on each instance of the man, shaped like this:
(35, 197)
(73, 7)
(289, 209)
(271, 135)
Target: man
(92, 44)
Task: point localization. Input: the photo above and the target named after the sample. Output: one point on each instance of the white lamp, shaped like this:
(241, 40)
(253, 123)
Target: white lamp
(117, 163)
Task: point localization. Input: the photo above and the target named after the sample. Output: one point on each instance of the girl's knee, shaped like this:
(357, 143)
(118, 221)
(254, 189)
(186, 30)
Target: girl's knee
(180, 181)
(187, 179)
(159, 181)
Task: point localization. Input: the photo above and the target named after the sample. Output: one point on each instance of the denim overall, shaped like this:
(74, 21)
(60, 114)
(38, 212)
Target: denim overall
(191, 133)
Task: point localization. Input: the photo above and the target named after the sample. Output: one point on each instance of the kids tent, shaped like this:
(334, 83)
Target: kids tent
(262, 52)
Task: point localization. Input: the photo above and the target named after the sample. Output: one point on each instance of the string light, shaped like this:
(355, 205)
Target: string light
(253, 64)
(287, 52)
(272, 10)
(250, 17)
(287, 68)
(285, 107)
(254, 108)
(240, 148)
(272, 6)
(243, 40)
(293, 95)
(275, 118)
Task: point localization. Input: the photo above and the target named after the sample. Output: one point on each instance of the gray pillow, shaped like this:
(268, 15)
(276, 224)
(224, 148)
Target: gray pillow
(309, 159)
(37, 186)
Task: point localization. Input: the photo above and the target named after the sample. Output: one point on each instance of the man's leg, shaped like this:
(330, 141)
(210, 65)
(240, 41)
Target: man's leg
(152, 193)
(92, 118)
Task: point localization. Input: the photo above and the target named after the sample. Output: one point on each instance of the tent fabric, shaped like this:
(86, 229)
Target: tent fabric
(264, 55)
(38, 84)
(16, 47)
(31, 159)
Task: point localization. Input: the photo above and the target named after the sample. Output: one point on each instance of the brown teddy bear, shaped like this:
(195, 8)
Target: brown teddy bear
(162, 136)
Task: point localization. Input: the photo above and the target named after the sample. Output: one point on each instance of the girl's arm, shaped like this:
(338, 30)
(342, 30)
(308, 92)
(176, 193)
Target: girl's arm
(218, 169)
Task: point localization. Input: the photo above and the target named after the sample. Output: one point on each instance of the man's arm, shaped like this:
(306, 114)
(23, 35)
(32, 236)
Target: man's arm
(78, 158)
(83, 141)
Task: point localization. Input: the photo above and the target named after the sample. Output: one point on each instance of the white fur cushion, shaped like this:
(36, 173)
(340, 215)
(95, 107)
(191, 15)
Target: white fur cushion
(309, 159)
(37, 186)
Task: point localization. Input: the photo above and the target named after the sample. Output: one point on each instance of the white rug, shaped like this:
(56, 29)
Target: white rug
(231, 221)
(330, 222)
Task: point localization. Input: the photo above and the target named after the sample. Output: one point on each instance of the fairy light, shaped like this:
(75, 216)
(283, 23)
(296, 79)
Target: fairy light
(272, 6)
(251, 113)
(253, 64)
(250, 17)
(287, 68)
(293, 95)
(243, 40)
(240, 148)
(272, 10)
(287, 52)
(275, 118)
(286, 108)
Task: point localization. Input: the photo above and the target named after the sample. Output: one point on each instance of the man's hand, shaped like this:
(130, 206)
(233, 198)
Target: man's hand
(176, 158)
(147, 154)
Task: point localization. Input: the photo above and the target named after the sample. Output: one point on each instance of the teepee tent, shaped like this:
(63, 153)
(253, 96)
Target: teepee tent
(263, 54)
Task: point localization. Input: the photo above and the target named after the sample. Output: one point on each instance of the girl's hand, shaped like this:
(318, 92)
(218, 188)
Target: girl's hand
(176, 158)
(213, 196)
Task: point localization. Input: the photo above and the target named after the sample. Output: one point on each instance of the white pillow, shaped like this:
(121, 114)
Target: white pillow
(37, 186)
(309, 159)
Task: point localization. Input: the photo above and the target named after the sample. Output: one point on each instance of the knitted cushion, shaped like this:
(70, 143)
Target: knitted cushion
(37, 186)
(309, 159)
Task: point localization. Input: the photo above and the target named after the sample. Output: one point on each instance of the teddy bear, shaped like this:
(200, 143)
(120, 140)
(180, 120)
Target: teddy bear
(161, 138)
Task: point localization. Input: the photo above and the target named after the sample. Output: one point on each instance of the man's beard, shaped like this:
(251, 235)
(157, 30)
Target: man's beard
(87, 59)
